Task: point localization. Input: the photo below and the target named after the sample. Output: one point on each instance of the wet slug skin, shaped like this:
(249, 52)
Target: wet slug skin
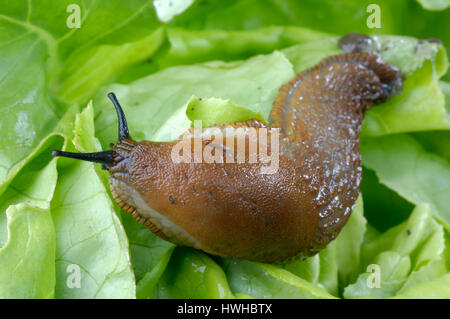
(230, 208)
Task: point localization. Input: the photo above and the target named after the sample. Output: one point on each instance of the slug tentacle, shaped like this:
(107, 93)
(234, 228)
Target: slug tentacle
(123, 127)
(106, 157)
(230, 208)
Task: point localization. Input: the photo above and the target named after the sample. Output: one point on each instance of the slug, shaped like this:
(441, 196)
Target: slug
(232, 209)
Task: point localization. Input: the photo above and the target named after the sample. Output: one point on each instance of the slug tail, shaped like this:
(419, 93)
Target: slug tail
(348, 82)
(391, 77)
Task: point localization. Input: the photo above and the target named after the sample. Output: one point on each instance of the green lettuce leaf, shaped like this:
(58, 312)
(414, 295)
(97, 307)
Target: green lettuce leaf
(438, 288)
(149, 256)
(407, 255)
(193, 274)
(27, 234)
(89, 234)
(268, 281)
(154, 112)
(28, 115)
(35, 183)
(102, 63)
(394, 269)
(438, 142)
(38, 45)
(383, 207)
(185, 47)
(348, 245)
(27, 261)
(395, 16)
(401, 164)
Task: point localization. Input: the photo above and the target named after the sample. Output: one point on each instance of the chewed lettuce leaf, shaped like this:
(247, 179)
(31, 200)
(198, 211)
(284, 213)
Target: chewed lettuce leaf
(213, 110)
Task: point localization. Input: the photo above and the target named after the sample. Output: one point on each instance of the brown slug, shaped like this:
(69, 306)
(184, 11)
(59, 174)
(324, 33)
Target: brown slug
(234, 210)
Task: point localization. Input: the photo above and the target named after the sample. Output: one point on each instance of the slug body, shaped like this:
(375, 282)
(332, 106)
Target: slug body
(232, 209)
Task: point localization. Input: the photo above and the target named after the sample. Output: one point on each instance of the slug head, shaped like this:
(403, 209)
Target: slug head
(110, 158)
(126, 162)
(118, 161)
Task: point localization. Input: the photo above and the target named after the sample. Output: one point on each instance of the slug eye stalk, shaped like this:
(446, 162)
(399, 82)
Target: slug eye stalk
(123, 127)
(105, 157)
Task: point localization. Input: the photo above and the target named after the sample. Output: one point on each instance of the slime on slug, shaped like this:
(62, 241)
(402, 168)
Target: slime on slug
(233, 210)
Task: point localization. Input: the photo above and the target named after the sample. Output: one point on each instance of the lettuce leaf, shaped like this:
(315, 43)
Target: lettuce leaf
(185, 47)
(401, 164)
(268, 281)
(89, 234)
(28, 115)
(154, 112)
(31, 250)
(149, 256)
(193, 274)
(407, 255)
(37, 46)
(213, 110)
(329, 16)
